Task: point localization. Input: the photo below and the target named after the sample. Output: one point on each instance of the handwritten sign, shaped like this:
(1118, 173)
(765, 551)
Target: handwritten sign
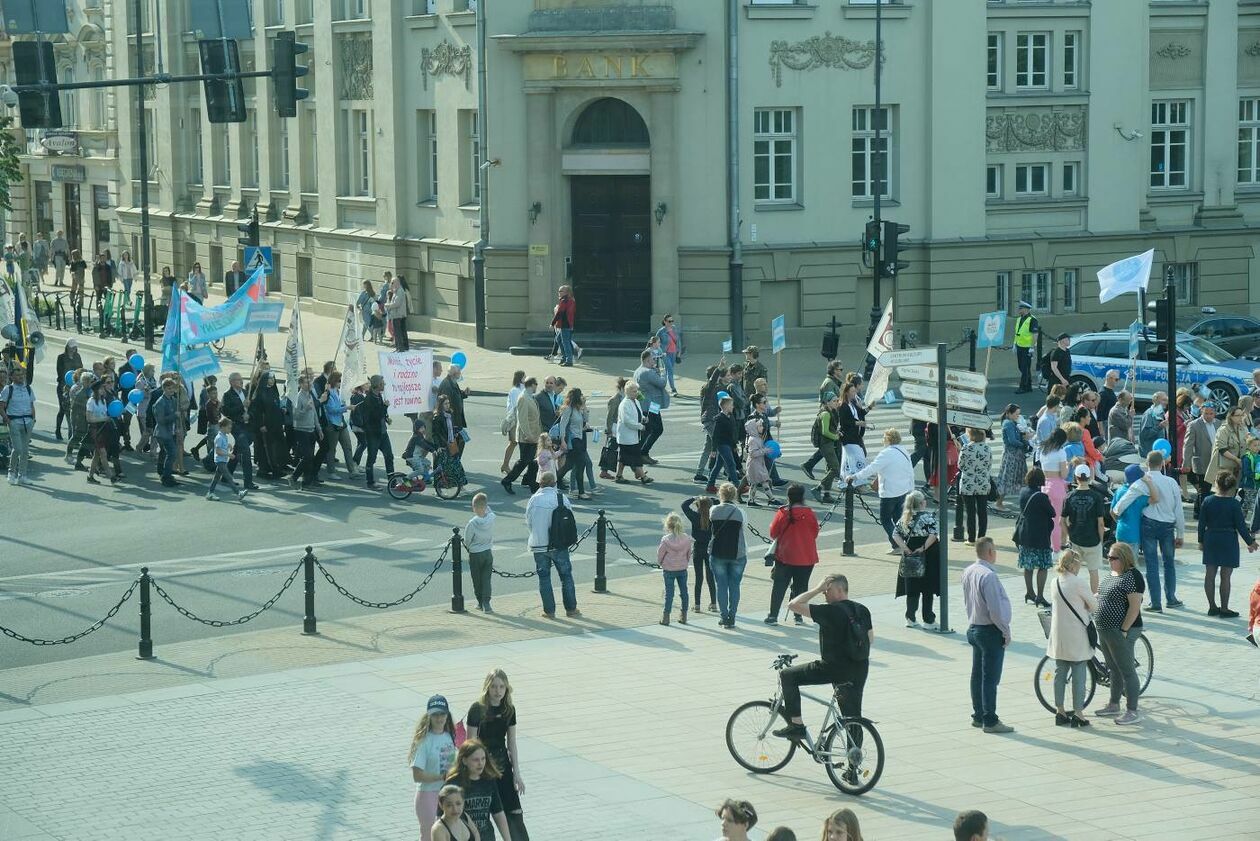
(408, 380)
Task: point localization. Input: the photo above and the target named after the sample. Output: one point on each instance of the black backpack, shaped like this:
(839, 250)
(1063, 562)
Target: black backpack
(725, 541)
(563, 533)
(815, 431)
(857, 643)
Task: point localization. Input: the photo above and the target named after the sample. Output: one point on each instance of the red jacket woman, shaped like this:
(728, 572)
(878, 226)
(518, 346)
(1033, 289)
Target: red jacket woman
(795, 530)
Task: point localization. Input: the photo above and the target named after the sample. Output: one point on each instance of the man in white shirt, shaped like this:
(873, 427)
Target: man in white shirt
(538, 514)
(895, 470)
(1163, 528)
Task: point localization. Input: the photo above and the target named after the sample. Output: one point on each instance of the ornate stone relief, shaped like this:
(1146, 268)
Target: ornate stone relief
(1035, 131)
(356, 66)
(834, 51)
(446, 59)
(1173, 51)
(1254, 50)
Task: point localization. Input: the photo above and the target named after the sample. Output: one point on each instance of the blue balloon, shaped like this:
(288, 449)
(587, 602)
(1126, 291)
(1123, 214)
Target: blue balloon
(1163, 446)
(115, 408)
(773, 449)
(127, 380)
(135, 397)
(459, 358)
(69, 377)
(136, 361)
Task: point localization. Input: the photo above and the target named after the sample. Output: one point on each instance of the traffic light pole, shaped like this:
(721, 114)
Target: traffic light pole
(143, 131)
(876, 309)
(1170, 301)
(483, 183)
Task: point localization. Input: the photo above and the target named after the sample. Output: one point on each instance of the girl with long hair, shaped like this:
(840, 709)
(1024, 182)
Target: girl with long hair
(842, 826)
(475, 772)
(1054, 467)
(696, 510)
(509, 419)
(492, 721)
(453, 824)
(673, 554)
(432, 754)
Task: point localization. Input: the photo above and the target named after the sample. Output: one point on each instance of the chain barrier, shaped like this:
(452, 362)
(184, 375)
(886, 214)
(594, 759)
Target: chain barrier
(534, 573)
(93, 628)
(383, 605)
(228, 623)
(756, 533)
(628, 550)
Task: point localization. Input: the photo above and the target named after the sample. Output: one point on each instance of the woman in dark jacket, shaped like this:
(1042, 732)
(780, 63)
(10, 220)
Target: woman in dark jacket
(796, 553)
(918, 533)
(696, 510)
(267, 418)
(1221, 520)
(1032, 535)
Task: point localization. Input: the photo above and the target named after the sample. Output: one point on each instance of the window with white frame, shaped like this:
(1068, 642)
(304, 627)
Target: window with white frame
(426, 130)
(474, 155)
(222, 156)
(1170, 144)
(1071, 183)
(993, 78)
(872, 162)
(96, 100)
(1032, 60)
(280, 165)
(249, 178)
(1071, 60)
(359, 135)
(1069, 290)
(774, 155)
(1003, 300)
(1186, 278)
(1249, 141)
(277, 12)
(197, 163)
(1031, 179)
(69, 99)
(1037, 288)
(993, 181)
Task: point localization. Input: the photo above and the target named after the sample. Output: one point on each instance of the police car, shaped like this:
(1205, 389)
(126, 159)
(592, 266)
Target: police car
(1199, 364)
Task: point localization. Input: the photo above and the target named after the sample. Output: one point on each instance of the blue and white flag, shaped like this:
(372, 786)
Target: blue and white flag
(1128, 275)
(201, 324)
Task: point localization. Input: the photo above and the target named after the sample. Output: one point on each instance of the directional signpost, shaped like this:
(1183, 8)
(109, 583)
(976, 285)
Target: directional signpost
(927, 413)
(953, 396)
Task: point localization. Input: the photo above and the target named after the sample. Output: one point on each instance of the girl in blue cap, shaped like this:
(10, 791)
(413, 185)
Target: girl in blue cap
(432, 754)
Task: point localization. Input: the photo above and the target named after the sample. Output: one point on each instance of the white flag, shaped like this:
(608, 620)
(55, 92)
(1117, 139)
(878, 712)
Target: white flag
(293, 349)
(1128, 275)
(355, 373)
(881, 342)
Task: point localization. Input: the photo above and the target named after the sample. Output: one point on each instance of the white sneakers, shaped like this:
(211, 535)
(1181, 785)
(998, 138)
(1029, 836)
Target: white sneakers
(212, 496)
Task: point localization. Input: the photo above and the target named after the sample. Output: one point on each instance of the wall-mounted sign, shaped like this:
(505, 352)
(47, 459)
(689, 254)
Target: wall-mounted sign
(69, 172)
(610, 66)
(539, 249)
(60, 141)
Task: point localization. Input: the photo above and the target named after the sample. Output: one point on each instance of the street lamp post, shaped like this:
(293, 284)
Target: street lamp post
(142, 128)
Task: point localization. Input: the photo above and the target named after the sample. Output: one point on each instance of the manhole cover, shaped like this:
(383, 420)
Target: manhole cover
(249, 573)
(64, 593)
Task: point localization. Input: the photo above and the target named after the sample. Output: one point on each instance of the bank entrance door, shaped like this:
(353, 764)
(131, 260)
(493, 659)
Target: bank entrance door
(612, 253)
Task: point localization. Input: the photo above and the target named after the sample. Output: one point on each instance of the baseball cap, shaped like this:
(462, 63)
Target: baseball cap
(1133, 473)
(1063, 336)
(437, 704)
(1082, 471)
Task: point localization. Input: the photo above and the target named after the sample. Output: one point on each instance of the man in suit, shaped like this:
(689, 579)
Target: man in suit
(547, 399)
(1197, 452)
(653, 388)
(232, 281)
(236, 409)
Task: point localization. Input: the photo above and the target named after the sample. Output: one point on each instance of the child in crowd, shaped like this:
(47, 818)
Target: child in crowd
(452, 824)
(479, 538)
(417, 453)
(223, 446)
(756, 467)
(546, 455)
(658, 355)
(1250, 482)
(432, 755)
(1129, 524)
(674, 556)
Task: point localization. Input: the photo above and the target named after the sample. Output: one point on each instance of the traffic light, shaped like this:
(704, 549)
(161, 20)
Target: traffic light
(870, 240)
(1162, 320)
(33, 65)
(249, 231)
(286, 71)
(890, 262)
(225, 98)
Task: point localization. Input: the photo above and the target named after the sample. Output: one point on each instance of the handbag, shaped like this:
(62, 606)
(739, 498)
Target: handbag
(608, 456)
(1091, 630)
(912, 565)
(772, 552)
(452, 447)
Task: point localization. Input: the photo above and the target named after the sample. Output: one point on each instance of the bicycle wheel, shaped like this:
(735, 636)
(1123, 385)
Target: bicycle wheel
(1043, 683)
(750, 741)
(445, 488)
(1144, 658)
(399, 486)
(854, 757)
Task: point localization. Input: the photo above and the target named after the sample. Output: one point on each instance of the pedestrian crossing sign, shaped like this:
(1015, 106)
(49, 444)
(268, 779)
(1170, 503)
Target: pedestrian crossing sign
(258, 255)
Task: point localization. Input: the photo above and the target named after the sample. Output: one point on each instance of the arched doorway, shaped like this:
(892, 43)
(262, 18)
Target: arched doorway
(612, 235)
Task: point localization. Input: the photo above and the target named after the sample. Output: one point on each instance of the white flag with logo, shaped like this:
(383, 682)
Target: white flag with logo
(1128, 275)
(293, 349)
(355, 373)
(881, 342)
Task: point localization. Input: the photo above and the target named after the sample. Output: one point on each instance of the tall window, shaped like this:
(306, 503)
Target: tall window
(69, 99)
(871, 161)
(1037, 289)
(1071, 178)
(249, 178)
(1069, 290)
(474, 154)
(774, 155)
(993, 181)
(361, 145)
(223, 157)
(1003, 300)
(1032, 60)
(280, 167)
(994, 73)
(96, 100)
(1249, 141)
(197, 163)
(1031, 179)
(1170, 142)
(426, 129)
(1071, 60)
(1186, 278)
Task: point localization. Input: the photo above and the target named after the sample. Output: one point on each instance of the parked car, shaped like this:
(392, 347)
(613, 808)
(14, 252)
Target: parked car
(1238, 334)
(1200, 363)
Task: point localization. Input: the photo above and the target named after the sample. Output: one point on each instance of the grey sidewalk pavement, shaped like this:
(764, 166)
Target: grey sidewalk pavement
(622, 738)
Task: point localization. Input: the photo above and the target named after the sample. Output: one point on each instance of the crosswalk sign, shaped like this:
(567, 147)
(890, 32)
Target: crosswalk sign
(258, 255)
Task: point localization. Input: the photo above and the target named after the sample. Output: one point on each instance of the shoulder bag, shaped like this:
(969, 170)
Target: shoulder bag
(1019, 521)
(1091, 632)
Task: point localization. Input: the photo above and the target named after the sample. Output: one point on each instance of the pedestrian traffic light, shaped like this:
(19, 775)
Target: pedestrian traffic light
(870, 240)
(1163, 322)
(249, 231)
(286, 71)
(33, 65)
(891, 263)
(225, 98)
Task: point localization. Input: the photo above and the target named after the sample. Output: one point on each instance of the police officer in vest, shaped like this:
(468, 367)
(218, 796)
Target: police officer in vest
(1026, 329)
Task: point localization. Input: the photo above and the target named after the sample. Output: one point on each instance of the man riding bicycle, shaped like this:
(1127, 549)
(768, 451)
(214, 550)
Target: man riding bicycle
(845, 636)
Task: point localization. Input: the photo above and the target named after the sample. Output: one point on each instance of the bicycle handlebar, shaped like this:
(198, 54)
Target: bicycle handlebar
(783, 661)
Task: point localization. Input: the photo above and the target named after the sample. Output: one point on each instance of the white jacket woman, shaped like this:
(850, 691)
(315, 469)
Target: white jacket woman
(1072, 604)
(630, 417)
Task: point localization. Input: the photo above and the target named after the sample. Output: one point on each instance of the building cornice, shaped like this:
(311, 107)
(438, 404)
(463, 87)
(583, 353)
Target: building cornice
(674, 40)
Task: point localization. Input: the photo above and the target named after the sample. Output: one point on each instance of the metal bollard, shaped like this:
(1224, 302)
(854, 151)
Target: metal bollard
(601, 553)
(308, 620)
(146, 627)
(971, 341)
(457, 570)
(847, 548)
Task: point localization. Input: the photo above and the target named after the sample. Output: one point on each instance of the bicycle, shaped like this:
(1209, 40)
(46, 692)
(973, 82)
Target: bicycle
(1096, 667)
(402, 485)
(850, 749)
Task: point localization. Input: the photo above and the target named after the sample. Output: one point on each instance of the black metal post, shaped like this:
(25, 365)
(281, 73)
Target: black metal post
(142, 128)
(601, 553)
(942, 480)
(847, 548)
(457, 572)
(146, 627)
(958, 515)
(877, 175)
(971, 343)
(1036, 361)
(308, 620)
(1170, 300)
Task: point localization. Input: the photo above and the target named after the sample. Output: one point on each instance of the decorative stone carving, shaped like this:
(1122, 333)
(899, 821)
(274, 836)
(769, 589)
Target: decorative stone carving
(1035, 131)
(834, 51)
(1254, 50)
(356, 65)
(446, 59)
(1174, 51)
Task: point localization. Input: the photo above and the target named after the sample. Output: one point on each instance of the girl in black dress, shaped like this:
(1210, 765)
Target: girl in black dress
(492, 720)
(474, 772)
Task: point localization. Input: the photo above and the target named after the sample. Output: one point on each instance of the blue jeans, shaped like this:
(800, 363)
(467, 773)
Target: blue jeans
(568, 594)
(166, 456)
(726, 575)
(566, 344)
(987, 653)
(725, 459)
(675, 578)
(889, 511)
(671, 359)
(1157, 539)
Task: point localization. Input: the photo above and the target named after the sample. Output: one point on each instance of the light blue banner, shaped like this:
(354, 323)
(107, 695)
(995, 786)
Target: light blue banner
(991, 331)
(264, 317)
(202, 324)
(778, 335)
